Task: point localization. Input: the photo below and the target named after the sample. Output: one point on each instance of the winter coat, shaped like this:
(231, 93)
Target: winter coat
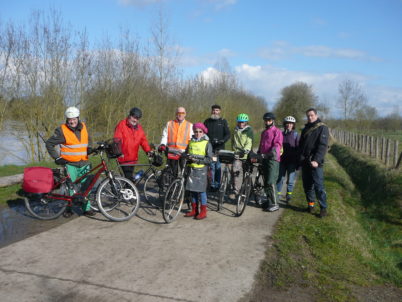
(290, 147)
(313, 143)
(218, 132)
(243, 140)
(132, 137)
(58, 139)
(271, 142)
(197, 180)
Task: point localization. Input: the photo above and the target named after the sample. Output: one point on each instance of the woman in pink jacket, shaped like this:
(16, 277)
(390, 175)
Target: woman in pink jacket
(270, 149)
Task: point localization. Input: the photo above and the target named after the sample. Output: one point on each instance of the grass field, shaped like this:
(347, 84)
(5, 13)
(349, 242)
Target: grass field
(353, 252)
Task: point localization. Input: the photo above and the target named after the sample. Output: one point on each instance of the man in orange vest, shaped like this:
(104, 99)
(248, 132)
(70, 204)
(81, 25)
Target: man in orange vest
(74, 142)
(176, 136)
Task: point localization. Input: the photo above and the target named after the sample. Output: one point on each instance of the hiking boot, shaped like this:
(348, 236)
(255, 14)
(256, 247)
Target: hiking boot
(310, 209)
(323, 212)
(273, 208)
(288, 198)
(68, 213)
(89, 213)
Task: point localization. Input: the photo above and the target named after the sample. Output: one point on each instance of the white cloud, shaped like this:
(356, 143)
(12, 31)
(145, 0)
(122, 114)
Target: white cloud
(281, 49)
(139, 3)
(221, 4)
(268, 81)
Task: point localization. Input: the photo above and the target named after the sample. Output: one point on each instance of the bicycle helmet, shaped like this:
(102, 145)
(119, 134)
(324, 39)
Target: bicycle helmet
(136, 112)
(242, 117)
(268, 116)
(72, 112)
(289, 119)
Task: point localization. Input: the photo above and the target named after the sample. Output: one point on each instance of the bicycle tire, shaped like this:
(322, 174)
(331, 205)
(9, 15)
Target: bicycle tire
(258, 189)
(244, 195)
(222, 189)
(118, 205)
(173, 201)
(152, 190)
(44, 208)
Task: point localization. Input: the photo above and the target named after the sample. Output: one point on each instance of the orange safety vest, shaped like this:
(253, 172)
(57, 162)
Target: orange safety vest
(74, 150)
(178, 135)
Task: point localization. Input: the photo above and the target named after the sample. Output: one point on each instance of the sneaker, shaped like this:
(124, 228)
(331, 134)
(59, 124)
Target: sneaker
(89, 213)
(323, 212)
(68, 213)
(273, 208)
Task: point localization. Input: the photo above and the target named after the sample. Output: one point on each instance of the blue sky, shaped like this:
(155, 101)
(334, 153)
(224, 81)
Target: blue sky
(269, 44)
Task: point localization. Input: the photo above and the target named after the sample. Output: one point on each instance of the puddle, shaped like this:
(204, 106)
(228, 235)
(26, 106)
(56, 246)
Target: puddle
(16, 223)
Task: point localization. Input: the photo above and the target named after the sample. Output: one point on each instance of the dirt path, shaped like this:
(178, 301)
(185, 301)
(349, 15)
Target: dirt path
(139, 260)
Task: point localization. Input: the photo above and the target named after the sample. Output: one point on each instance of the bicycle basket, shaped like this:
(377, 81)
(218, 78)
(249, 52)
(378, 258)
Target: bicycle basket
(113, 148)
(226, 156)
(157, 160)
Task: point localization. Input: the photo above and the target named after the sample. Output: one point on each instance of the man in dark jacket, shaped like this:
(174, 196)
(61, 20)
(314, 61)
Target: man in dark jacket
(219, 134)
(313, 146)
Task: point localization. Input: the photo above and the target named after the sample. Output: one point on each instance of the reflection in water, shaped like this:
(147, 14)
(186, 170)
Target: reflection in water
(12, 151)
(16, 224)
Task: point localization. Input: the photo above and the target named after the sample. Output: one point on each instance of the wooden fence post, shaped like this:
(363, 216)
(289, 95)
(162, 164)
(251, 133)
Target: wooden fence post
(382, 148)
(377, 147)
(388, 151)
(396, 144)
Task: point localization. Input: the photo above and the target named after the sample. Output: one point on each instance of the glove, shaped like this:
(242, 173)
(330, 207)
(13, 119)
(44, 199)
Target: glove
(215, 141)
(150, 153)
(90, 150)
(60, 161)
(162, 148)
(221, 142)
(271, 154)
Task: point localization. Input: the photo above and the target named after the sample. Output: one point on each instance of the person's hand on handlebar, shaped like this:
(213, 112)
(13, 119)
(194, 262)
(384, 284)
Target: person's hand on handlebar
(162, 148)
(60, 161)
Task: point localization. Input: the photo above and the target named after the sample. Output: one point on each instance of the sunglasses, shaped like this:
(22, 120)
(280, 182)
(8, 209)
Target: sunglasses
(198, 131)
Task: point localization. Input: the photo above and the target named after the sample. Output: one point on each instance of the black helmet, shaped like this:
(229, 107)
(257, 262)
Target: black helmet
(136, 112)
(268, 116)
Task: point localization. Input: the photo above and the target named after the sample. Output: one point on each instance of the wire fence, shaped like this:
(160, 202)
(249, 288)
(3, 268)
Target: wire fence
(381, 148)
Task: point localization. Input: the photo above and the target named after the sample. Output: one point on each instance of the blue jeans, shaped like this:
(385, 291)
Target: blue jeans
(215, 174)
(290, 170)
(313, 184)
(195, 196)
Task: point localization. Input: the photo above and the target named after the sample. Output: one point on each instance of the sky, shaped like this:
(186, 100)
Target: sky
(268, 44)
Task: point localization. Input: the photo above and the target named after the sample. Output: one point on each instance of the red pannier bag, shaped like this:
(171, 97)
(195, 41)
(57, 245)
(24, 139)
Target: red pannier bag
(38, 180)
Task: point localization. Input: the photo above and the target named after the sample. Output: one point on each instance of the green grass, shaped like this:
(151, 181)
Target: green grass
(352, 247)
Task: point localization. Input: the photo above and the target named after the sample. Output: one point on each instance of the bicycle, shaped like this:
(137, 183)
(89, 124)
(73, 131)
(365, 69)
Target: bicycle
(152, 186)
(226, 157)
(117, 197)
(175, 193)
(248, 186)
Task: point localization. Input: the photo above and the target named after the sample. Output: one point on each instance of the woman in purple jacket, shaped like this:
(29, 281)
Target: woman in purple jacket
(270, 149)
(289, 157)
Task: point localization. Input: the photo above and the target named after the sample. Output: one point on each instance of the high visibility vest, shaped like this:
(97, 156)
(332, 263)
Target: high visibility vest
(178, 135)
(74, 150)
(197, 148)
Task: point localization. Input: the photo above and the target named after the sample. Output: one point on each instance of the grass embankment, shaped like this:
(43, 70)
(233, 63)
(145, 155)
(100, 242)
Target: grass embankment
(358, 246)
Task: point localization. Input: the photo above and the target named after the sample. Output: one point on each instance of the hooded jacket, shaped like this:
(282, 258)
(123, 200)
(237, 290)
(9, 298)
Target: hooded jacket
(313, 142)
(271, 141)
(243, 140)
(132, 137)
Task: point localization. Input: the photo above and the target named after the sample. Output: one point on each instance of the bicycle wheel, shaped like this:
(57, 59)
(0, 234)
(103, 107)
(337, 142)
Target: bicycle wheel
(244, 194)
(118, 198)
(43, 207)
(151, 190)
(223, 188)
(173, 201)
(258, 189)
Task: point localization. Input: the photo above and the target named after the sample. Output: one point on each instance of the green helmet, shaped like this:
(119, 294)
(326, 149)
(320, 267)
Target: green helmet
(242, 117)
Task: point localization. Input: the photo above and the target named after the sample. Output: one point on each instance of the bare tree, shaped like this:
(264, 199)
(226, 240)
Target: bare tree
(351, 98)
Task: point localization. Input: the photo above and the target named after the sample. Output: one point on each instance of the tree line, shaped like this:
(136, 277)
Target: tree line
(46, 66)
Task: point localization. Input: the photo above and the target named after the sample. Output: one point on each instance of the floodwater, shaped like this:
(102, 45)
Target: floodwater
(12, 151)
(17, 224)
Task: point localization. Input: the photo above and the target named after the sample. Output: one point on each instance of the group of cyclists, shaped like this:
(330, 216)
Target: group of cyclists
(280, 153)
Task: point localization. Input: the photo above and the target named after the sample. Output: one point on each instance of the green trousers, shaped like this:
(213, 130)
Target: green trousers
(77, 172)
(270, 169)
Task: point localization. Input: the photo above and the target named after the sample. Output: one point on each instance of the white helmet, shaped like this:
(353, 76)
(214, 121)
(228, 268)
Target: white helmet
(72, 112)
(289, 119)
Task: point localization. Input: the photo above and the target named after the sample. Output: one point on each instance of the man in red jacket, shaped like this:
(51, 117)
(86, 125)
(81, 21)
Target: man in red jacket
(132, 136)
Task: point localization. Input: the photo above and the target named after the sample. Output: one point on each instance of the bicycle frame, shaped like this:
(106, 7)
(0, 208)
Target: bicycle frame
(100, 168)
